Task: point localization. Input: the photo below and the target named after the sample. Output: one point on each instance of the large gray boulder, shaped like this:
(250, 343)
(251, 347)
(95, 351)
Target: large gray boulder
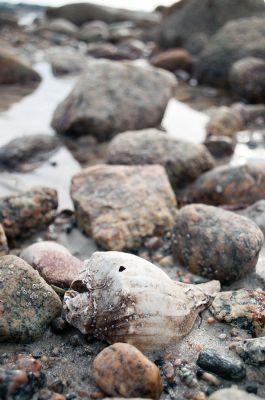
(190, 21)
(112, 97)
(183, 161)
(236, 40)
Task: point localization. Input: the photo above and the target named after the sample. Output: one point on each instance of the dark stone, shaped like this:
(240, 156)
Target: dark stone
(187, 19)
(239, 185)
(226, 367)
(26, 213)
(236, 40)
(216, 243)
(27, 152)
(220, 146)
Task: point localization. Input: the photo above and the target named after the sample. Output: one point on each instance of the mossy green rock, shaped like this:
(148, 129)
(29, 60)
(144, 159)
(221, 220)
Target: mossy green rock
(27, 303)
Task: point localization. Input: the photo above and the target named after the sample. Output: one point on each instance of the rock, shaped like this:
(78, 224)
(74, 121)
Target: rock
(187, 19)
(251, 350)
(54, 263)
(231, 185)
(28, 212)
(232, 394)
(15, 71)
(18, 384)
(66, 61)
(225, 121)
(120, 31)
(247, 79)
(236, 40)
(105, 102)
(122, 370)
(172, 60)
(27, 152)
(131, 49)
(256, 212)
(183, 161)
(253, 115)
(115, 204)
(8, 20)
(103, 50)
(95, 31)
(220, 146)
(3, 242)
(216, 243)
(227, 367)
(243, 308)
(28, 304)
(139, 305)
(81, 13)
(60, 25)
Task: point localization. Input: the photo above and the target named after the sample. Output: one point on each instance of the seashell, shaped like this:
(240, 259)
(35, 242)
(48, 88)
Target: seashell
(120, 297)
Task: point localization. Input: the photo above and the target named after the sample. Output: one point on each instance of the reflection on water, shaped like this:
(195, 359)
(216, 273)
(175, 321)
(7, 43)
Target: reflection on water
(182, 122)
(32, 115)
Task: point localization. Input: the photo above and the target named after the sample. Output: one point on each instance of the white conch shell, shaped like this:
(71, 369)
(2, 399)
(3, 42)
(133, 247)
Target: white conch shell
(120, 297)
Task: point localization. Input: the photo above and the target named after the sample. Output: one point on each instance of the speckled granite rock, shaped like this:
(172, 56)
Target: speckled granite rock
(215, 243)
(122, 205)
(112, 97)
(244, 308)
(225, 121)
(231, 185)
(233, 394)
(251, 350)
(183, 161)
(54, 263)
(28, 212)
(122, 370)
(27, 303)
(3, 242)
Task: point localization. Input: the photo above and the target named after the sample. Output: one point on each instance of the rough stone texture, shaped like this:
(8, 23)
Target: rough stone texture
(236, 40)
(27, 304)
(121, 205)
(233, 394)
(25, 152)
(183, 161)
(227, 367)
(247, 79)
(216, 243)
(112, 97)
(232, 185)
(189, 18)
(244, 308)
(173, 60)
(66, 61)
(220, 146)
(251, 350)
(13, 70)
(81, 13)
(28, 212)
(54, 263)
(122, 370)
(225, 121)
(256, 212)
(3, 242)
